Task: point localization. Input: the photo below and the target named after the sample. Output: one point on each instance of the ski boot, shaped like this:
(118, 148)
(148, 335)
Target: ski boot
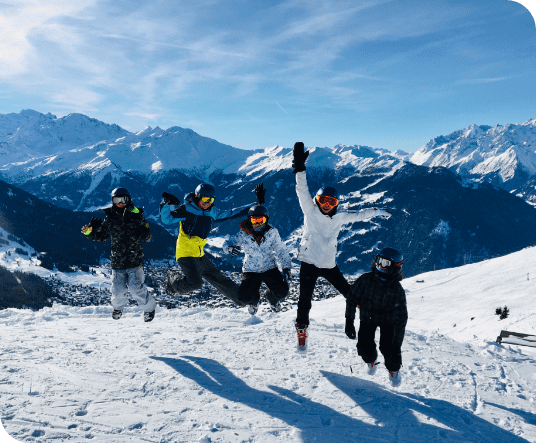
(252, 309)
(148, 316)
(302, 337)
(395, 378)
(372, 367)
(116, 315)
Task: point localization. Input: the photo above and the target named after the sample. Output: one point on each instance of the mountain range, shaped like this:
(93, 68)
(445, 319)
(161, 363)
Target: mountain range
(460, 198)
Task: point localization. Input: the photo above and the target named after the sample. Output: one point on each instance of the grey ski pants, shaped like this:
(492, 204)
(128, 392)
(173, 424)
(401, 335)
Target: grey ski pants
(194, 270)
(131, 280)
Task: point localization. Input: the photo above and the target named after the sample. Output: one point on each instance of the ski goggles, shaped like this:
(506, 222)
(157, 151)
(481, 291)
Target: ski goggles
(207, 200)
(257, 219)
(326, 200)
(385, 263)
(120, 199)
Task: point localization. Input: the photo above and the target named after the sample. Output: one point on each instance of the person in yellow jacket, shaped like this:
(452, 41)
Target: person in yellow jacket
(196, 216)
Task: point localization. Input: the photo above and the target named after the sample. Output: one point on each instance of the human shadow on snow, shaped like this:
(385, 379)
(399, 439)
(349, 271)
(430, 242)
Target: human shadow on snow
(389, 416)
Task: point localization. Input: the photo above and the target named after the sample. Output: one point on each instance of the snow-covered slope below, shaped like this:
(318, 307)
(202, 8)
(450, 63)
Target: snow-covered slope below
(198, 375)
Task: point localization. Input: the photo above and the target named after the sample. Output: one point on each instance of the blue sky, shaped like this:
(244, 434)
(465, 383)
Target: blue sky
(254, 74)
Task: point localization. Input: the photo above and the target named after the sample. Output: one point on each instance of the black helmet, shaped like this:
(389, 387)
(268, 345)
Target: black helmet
(258, 210)
(120, 191)
(328, 191)
(390, 260)
(205, 190)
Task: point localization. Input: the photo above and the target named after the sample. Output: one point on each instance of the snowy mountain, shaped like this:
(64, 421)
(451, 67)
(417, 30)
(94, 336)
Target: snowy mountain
(438, 220)
(220, 375)
(504, 156)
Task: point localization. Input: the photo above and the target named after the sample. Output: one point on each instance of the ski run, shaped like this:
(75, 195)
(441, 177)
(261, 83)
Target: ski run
(220, 375)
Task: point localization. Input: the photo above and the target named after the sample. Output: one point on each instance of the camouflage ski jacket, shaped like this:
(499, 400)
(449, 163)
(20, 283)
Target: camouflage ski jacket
(127, 228)
(380, 301)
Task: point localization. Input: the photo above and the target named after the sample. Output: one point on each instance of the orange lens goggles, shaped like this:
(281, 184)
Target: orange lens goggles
(325, 200)
(257, 219)
(207, 200)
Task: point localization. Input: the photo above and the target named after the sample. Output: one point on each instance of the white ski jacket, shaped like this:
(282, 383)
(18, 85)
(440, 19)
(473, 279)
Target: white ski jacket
(318, 245)
(261, 256)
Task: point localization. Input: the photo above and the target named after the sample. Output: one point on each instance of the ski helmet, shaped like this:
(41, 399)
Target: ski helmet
(121, 192)
(205, 190)
(390, 261)
(328, 191)
(258, 210)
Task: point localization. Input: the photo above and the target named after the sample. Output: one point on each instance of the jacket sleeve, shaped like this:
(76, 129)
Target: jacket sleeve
(219, 216)
(146, 235)
(304, 196)
(361, 215)
(169, 215)
(103, 233)
(353, 300)
(281, 251)
(233, 240)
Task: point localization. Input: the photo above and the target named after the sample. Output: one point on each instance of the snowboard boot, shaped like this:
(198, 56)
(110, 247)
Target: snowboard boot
(372, 367)
(395, 378)
(302, 336)
(276, 307)
(116, 315)
(252, 309)
(171, 276)
(148, 316)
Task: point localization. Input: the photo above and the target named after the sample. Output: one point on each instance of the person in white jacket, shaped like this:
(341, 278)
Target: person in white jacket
(318, 246)
(263, 249)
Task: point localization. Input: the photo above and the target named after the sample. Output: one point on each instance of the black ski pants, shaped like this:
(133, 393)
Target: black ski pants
(391, 338)
(248, 291)
(308, 276)
(194, 270)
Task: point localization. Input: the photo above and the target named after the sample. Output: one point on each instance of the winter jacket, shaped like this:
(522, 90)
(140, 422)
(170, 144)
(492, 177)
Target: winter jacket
(127, 228)
(380, 301)
(318, 245)
(263, 251)
(195, 224)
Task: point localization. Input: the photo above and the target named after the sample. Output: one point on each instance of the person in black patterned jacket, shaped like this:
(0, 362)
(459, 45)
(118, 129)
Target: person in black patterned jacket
(382, 304)
(126, 226)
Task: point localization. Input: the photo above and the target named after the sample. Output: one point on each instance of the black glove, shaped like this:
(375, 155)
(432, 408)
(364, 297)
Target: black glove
(95, 223)
(234, 250)
(259, 193)
(287, 276)
(350, 328)
(170, 199)
(298, 162)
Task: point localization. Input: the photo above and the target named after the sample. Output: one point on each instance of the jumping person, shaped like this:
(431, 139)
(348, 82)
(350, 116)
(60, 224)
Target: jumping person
(263, 249)
(382, 304)
(195, 217)
(318, 246)
(125, 225)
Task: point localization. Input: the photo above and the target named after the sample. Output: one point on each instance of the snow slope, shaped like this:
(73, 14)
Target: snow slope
(197, 375)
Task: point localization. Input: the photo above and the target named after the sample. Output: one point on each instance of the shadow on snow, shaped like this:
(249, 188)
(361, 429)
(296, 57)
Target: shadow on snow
(391, 416)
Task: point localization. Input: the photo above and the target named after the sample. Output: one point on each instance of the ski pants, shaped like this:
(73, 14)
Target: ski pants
(194, 270)
(131, 280)
(248, 291)
(391, 338)
(308, 275)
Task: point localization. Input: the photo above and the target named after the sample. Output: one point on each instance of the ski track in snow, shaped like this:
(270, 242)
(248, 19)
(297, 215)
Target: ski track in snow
(198, 375)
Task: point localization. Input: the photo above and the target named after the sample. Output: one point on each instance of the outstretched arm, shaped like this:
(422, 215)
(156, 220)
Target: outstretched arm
(363, 215)
(229, 214)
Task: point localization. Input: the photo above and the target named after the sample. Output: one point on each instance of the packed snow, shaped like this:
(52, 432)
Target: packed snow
(220, 375)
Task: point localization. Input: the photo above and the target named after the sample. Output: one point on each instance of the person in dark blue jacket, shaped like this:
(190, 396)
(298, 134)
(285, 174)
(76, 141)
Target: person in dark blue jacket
(195, 217)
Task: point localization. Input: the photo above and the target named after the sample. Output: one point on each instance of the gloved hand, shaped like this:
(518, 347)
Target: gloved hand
(95, 223)
(350, 328)
(287, 276)
(259, 193)
(234, 250)
(170, 199)
(299, 157)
